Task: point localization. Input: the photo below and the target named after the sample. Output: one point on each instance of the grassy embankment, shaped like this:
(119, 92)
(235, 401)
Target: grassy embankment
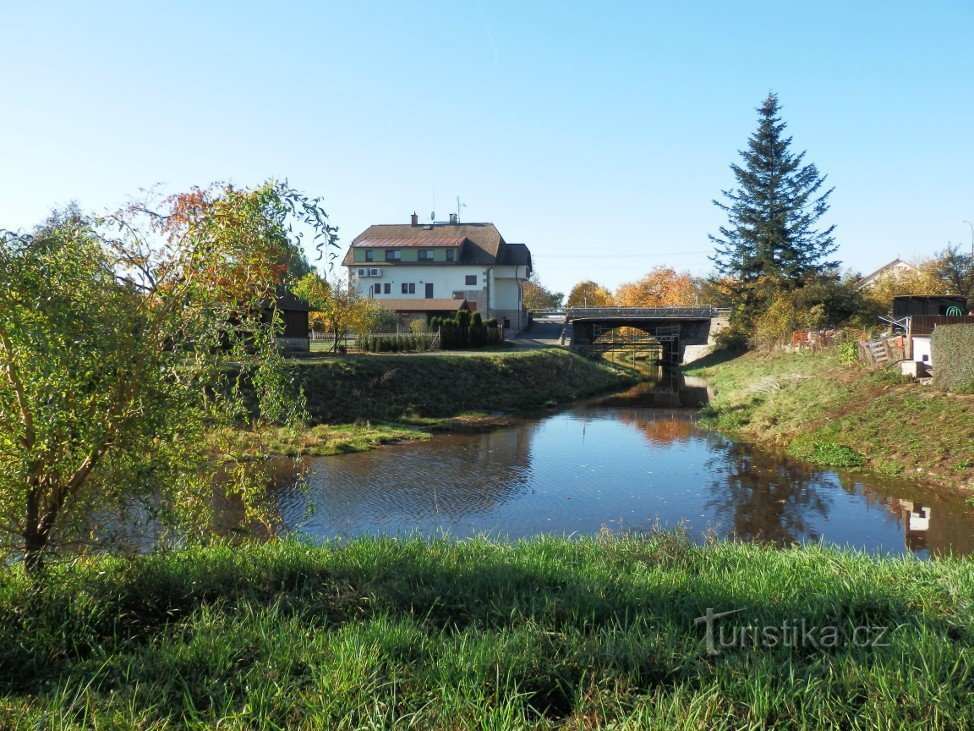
(838, 415)
(547, 633)
(359, 402)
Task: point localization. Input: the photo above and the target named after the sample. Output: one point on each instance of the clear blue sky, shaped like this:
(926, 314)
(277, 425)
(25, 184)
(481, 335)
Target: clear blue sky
(597, 133)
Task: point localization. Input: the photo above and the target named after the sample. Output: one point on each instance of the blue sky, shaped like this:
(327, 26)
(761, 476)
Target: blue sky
(597, 133)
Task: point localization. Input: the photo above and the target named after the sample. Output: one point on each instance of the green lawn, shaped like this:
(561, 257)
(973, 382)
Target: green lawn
(841, 415)
(551, 633)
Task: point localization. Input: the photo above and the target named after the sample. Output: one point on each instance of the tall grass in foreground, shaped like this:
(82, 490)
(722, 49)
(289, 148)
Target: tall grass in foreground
(548, 633)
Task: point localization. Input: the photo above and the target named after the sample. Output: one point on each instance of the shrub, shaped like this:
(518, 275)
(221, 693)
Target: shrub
(463, 318)
(477, 320)
(491, 322)
(952, 353)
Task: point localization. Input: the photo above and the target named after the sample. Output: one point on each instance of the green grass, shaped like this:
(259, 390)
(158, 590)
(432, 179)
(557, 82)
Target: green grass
(356, 403)
(317, 441)
(836, 414)
(398, 388)
(551, 633)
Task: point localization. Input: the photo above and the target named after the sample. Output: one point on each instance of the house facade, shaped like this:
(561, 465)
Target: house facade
(440, 263)
(894, 268)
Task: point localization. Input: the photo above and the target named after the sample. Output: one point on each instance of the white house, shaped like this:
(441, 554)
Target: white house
(893, 268)
(441, 263)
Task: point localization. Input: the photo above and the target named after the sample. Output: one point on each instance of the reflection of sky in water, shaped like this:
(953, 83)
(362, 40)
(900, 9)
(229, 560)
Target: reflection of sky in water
(618, 466)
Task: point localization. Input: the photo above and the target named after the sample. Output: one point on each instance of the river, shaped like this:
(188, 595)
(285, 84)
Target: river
(630, 462)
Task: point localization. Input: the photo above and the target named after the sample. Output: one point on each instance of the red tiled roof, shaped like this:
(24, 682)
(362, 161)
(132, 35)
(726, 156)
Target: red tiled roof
(390, 242)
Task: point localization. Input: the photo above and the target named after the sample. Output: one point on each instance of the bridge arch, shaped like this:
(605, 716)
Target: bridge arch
(685, 333)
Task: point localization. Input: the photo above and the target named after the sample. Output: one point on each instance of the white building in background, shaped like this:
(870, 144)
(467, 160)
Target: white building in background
(894, 268)
(437, 266)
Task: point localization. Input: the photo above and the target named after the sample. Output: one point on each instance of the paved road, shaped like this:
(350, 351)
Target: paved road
(543, 332)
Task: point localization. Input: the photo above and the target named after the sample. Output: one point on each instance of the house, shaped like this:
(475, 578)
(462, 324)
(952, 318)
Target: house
(893, 268)
(468, 262)
(420, 308)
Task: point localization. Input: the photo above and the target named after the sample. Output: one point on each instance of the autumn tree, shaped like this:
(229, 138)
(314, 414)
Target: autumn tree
(536, 296)
(339, 308)
(662, 287)
(921, 279)
(589, 294)
(772, 240)
(955, 270)
(123, 341)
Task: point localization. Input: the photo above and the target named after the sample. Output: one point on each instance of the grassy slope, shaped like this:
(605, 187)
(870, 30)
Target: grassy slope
(357, 403)
(547, 633)
(400, 387)
(845, 416)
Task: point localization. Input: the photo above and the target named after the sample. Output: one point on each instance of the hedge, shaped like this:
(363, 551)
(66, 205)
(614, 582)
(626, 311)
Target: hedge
(952, 353)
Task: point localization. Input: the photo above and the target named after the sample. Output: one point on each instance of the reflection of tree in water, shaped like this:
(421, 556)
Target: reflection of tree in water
(660, 427)
(763, 497)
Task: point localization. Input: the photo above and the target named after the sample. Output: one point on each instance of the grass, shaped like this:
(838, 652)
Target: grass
(398, 388)
(317, 441)
(842, 415)
(360, 402)
(550, 633)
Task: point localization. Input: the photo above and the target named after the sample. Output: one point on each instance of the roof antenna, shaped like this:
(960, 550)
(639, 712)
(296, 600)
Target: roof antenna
(433, 212)
(459, 206)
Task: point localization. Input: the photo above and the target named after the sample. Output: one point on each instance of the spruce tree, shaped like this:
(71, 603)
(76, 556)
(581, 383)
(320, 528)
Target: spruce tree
(771, 241)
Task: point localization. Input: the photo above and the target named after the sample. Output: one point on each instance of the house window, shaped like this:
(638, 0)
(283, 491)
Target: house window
(388, 288)
(409, 288)
(393, 255)
(375, 289)
(426, 255)
(451, 255)
(369, 255)
(472, 279)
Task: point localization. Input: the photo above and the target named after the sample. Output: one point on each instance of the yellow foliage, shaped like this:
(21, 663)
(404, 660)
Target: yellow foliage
(589, 294)
(662, 287)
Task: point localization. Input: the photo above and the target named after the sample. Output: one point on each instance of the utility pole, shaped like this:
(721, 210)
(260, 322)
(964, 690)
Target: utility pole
(972, 237)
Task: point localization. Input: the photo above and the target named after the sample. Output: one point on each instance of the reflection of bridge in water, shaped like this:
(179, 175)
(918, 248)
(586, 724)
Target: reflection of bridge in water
(672, 334)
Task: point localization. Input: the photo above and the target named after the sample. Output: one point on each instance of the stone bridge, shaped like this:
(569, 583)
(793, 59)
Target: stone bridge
(682, 334)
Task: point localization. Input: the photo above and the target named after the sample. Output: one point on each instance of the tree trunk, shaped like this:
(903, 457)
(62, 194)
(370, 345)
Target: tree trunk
(35, 541)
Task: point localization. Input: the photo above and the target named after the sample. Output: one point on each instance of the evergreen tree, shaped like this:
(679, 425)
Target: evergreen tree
(771, 241)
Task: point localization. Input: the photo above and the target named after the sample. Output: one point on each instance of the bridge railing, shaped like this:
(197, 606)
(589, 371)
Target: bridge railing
(708, 311)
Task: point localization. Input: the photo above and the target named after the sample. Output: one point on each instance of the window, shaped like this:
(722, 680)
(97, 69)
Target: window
(409, 288)
(388, 288)
(376, 289)
(426, 255)
(472, 279)
(451, 255)
(369, 255)
(393, 255)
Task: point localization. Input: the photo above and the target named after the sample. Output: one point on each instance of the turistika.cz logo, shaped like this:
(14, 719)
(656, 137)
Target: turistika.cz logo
(791, 633)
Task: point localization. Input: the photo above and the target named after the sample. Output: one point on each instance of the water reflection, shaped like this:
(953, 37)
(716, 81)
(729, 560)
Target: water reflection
(762, 497)
(630, 461)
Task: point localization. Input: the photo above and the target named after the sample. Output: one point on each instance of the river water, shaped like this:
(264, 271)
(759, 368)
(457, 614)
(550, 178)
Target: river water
(631, 462)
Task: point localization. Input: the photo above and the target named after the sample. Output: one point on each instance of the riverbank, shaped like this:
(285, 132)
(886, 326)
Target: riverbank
(356, 403)
(834, 414)
(546, 633)
(400, 388)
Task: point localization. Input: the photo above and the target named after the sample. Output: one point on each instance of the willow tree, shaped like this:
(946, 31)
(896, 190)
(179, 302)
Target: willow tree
(772, 240)
(123, 341)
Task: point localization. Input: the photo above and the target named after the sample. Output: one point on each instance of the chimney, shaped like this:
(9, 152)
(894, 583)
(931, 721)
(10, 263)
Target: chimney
(454, 218)
(414, 219)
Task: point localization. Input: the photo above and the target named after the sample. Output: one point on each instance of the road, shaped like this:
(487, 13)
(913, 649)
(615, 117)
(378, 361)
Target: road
(543, 332)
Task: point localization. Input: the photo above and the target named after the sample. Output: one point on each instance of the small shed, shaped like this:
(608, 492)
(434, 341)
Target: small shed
(912, 305)
(294, 312)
